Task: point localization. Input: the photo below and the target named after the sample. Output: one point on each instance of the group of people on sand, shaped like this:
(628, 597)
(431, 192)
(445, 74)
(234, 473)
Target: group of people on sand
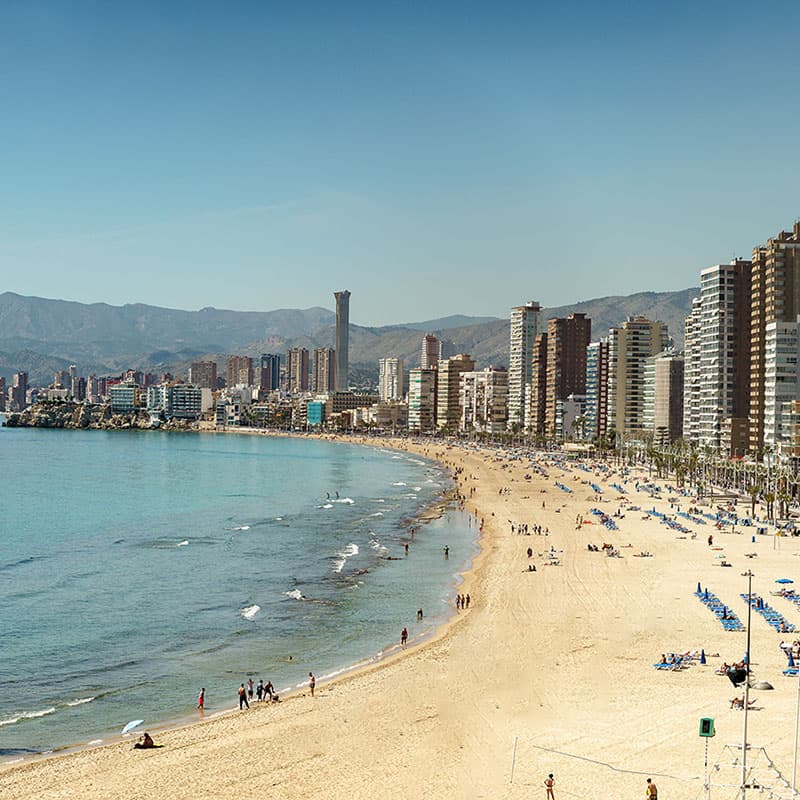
(462, 601)
(263, 692)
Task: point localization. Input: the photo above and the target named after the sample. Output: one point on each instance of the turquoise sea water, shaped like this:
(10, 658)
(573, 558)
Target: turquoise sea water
(136, 567)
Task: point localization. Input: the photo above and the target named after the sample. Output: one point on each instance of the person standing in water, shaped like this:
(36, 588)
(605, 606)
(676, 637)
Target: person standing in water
(243, 698)
(403, 637)
(201, 699)
(446, 551)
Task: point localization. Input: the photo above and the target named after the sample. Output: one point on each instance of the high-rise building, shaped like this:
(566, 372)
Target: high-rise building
(204, 375)
(524, 327)
(775, 293)
(324, 370)
(717, 356)
(422, 400)
(19, 391)
(663, 397)
(596, 403)
(270, 378)
(629, 347)
(567, 340)
(342, 344)
(536, 390)
(92, 389)
(2, 393)
(448, 383)
(239, 371)
(390, 379)
(483, 399)
(691, 373)
(297, 370)
(431, 352)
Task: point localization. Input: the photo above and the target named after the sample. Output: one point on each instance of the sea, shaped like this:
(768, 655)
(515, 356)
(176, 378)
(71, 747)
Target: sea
(137, 567)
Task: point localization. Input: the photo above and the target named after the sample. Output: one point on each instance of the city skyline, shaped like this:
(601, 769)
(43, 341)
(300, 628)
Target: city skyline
(438, 145)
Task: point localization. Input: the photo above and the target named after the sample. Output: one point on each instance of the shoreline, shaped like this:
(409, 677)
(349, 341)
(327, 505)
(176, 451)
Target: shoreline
(553, 668)
(439, 507)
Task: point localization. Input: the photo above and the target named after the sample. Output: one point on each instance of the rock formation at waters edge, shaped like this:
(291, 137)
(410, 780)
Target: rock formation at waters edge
(84, 415)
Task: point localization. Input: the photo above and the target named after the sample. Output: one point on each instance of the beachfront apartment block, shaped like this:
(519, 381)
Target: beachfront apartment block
(524, 326)
(323, 370)
(125, 397)
(483, 400)
(691, 374)
(422, 400)
(775, 298)
(270, 374)
(204, 374)
(297, 370)
(391, 379)
(448, 383)
(663, 397)
(239, 371)
(629, 347)
(595, 409)
(431, 352)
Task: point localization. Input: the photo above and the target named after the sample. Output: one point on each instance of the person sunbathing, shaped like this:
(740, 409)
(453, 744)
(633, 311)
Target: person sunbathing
(145, 742)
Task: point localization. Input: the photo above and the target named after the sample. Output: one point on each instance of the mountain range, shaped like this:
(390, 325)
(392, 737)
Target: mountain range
(41, 336)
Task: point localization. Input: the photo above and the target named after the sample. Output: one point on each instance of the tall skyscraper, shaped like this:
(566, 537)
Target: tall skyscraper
(448, 383)
(239, 371)
(323, 370)
(422, 400)
(19, 391)
(390, 379)
(431, 352)
(203, 374)
(270, 378)
(717, 359)
(342, 344)
(523, 330)
(774, 310)
(596, 405)
(567, 340)
(297, 370)
(629, 347)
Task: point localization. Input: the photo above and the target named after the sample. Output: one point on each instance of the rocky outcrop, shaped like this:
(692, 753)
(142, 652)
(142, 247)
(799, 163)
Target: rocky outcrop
(84, 415)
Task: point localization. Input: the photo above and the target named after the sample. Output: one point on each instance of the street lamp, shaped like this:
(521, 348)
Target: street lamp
(749, 575)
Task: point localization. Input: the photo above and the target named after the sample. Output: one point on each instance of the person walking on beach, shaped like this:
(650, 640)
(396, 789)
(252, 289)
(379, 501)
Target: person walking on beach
(652, 790)
(403, 637)
(243, 698)
(548, 785)
(467, 601)
(419, 615)
(201, 699)
(312, 682)
(446, 551)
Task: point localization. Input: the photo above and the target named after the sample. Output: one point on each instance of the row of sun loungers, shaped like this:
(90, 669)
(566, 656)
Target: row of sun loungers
(771, 615)
(604, 518)
(724, 614)
(563, 488)
(691, 518)
(618, 488)
(676, 661)
(596, 489)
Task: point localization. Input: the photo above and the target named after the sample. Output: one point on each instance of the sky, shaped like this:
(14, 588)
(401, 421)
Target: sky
(433, 158)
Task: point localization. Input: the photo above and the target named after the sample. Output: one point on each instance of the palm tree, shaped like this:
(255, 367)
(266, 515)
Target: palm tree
(769, 499)
(753, 490)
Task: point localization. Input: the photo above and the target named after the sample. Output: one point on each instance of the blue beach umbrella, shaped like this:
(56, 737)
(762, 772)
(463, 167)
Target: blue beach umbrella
(131, 725)
(784, 580)
(791, 660)
(702, 656)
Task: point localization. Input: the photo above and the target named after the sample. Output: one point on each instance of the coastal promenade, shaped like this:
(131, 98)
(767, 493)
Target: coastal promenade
(560, 659)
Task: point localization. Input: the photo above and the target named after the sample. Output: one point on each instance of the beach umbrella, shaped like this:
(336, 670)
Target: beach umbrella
(702, 656)
(791, 660)
(784, 580)
(131, 725)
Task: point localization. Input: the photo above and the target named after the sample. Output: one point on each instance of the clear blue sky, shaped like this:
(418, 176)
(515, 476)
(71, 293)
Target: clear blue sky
(434, 158)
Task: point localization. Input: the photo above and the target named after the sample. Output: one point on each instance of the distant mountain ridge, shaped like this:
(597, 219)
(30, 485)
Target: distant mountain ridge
(40, 335)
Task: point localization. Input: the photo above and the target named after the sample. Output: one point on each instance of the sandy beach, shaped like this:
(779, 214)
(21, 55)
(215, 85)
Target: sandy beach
(560, 660)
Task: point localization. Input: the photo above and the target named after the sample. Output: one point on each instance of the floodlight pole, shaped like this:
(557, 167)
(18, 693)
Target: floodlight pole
(796, 721)
(749, 574)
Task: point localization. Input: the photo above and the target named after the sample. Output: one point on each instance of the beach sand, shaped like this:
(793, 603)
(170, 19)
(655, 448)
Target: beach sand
(560, 660)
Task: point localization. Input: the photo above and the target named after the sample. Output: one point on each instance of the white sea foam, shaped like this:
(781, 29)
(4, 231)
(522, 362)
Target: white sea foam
(242, 528)
(96, 741)
(379, 549)
(278, 519)
(327, 505)
(343, 555)
(80, 701)
(348, 500)
(250, 611)
(377, 514)
(295, 594)
(184, 543)
(27, 715)
(417, 488)
(399, 483)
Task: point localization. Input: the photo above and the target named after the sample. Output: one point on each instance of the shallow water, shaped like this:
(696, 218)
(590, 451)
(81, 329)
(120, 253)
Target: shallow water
(136, 567)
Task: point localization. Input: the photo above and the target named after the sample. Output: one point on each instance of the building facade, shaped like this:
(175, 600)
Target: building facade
(390, 379)
(324, 370)
(270, 375)
(239, 371)
(204, 374)
(524, 327)
(297, 370)
(422, 400)
(596, 400)
(342, 344)
(483, 400)
(663, 397)
(448, 412)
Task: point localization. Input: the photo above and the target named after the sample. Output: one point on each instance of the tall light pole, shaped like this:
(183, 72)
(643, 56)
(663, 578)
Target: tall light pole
(749, 574)
(796, 721)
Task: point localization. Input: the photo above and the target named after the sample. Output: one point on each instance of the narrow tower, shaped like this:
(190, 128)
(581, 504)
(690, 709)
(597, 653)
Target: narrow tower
(342, 339)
